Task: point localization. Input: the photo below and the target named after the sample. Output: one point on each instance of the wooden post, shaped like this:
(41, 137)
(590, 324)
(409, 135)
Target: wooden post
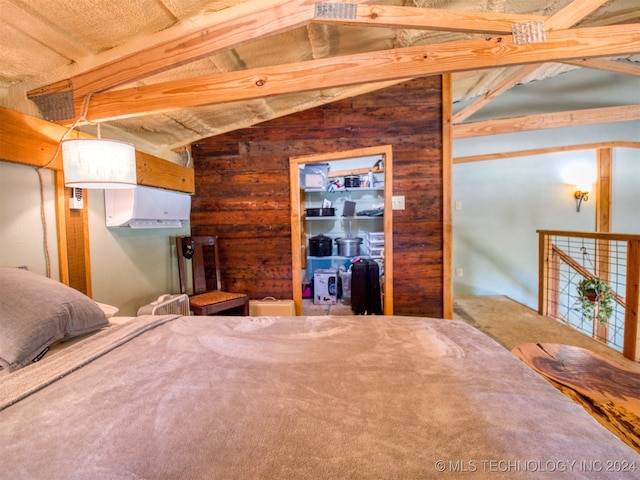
(447, 189)
(631, 344)
(553, 282)
(604, 161)
(603, 225)
(543, 272)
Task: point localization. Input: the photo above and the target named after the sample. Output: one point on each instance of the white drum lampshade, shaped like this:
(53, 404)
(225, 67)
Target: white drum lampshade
(98, 163)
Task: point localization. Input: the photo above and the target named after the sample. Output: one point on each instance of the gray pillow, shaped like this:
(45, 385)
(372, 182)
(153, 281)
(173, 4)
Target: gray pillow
(35, 311)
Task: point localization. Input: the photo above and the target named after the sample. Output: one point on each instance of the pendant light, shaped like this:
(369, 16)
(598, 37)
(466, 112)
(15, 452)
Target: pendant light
(97, 162)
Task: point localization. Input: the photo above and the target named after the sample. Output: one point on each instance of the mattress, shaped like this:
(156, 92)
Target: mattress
(295, 397)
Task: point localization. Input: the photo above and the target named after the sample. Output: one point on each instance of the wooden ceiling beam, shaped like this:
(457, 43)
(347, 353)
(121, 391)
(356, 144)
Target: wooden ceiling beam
(572, 13)
(564, 18)
(35, 142)
(248, 21)
(545, 150)
(588, 116)
(494, 92)
(431, 19)
(232, 27)
(408, 62)
(623, 68)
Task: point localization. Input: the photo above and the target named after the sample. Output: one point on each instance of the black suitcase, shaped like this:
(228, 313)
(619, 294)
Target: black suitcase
(374, 302)
(359, 275)
(365, 288)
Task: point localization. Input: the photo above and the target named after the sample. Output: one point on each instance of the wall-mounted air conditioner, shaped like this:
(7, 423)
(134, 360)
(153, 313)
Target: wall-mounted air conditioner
(146, 207)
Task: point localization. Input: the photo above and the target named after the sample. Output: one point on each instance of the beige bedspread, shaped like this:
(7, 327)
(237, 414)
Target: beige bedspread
(302, 397)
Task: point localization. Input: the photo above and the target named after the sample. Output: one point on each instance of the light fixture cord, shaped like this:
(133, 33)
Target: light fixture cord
(83, 117)
(43, 217)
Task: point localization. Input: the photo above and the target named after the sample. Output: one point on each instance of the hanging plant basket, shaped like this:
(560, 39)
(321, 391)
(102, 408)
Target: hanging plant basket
(592, 295)
(595, 300)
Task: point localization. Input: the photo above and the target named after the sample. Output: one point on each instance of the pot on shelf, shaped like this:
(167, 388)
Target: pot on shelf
(320, 246)
(351, 181)
(349, 246)
(321, 212)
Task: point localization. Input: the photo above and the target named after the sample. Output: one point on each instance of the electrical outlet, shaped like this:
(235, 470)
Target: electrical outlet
(458, 271)
(397, 202)
(458, 205)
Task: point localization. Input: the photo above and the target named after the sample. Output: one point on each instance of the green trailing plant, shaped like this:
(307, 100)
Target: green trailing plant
(592, 293)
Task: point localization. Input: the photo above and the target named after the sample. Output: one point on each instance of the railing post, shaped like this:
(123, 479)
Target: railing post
(543, 270)
(602, 271)
(553, 279)
(631, 346)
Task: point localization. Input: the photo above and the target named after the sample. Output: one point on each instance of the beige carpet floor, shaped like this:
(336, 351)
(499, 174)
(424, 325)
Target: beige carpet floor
(511, 324)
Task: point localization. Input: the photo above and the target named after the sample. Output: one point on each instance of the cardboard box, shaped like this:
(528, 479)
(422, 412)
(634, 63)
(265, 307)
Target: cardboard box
(272, 307)
(325, 287)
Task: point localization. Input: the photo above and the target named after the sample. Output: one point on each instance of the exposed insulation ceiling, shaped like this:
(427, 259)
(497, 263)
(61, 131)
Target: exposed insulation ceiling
(165, 73)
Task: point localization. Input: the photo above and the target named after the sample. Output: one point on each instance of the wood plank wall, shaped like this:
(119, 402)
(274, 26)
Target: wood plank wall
(242, 189)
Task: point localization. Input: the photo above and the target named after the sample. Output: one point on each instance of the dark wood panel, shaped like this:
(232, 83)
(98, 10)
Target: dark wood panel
(421, 91)
(242, 189)
(266, 203)
(397, 119)
(240, 232)
(260, 163)
(218, 217)
(202, 149)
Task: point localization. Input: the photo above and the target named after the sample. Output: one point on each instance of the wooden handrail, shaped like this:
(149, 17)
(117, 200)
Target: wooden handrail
(595, 235)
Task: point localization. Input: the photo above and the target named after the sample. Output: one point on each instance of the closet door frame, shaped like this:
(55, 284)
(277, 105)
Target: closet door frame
(297, 210)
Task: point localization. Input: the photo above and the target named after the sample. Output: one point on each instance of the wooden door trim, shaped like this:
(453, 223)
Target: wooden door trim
(296, 224)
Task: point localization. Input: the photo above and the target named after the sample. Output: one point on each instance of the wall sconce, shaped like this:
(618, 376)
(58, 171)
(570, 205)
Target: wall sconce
(580, 196)
(581, 175)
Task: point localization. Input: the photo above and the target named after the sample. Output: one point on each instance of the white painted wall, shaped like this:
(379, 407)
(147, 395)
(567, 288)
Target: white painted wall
(129, 268)
(626, 192)
(503, 203)
(21, 224)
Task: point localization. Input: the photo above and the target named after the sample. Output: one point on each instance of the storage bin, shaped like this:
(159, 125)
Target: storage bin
(375, 237)
(315, 175)
(345, 282)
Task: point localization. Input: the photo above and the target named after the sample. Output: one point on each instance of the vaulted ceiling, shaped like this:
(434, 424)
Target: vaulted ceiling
(165, 73)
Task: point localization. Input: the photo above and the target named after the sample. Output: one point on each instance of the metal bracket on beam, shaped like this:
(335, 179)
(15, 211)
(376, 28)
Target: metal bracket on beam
(528, 32)
(56, 106)
(338, 11)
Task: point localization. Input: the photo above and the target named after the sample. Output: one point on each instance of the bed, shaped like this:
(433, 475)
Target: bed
(173, 397)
